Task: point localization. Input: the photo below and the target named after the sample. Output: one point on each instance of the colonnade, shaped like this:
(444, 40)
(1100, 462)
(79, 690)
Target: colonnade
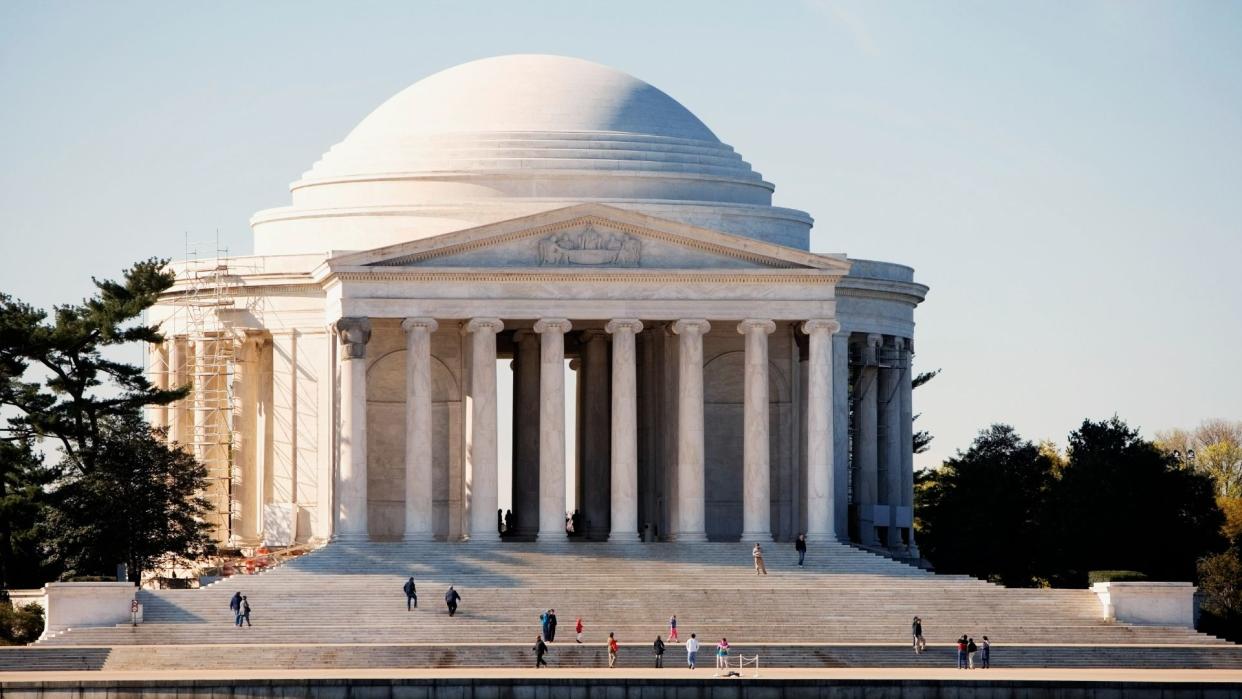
(882, 459)
(481, 478)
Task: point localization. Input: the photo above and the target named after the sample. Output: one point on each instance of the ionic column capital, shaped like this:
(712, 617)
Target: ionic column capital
(616, 325)
(485, 325)
(354, 334)
(553, 325)
(815, 326)
(752, 325)
(692, 326)
(428, 324)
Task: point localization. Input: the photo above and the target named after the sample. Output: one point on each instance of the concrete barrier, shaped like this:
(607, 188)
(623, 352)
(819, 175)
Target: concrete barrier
(1154, 603)
(75, 605)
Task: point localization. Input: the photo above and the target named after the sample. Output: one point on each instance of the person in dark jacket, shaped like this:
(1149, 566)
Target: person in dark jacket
(451, 598)
(800, 547)
(985, 654)
(235, 606)
(971, 649)
(245, 612)
(541, 649)
(411, 593)
(659, 652)
(916, 630)
(551, 625)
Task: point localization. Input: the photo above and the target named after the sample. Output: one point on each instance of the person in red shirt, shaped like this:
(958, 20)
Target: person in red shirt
(612, 650)
(578, 629)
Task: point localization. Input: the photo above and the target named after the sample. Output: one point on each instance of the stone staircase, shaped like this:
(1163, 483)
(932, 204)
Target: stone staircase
(342, 606)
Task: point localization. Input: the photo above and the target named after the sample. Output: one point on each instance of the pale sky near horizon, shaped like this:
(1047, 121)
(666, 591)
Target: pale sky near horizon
(1065, 176)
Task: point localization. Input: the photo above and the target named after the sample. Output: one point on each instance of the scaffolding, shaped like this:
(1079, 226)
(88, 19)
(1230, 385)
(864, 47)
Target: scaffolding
(210, 288)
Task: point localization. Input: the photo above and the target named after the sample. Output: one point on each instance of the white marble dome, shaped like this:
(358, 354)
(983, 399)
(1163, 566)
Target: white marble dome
(511, 135)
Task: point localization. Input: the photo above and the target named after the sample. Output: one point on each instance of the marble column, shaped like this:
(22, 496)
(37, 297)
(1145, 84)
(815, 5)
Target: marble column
(624, 462)
(905, 389)
(482, 486)
(866, 456)
(595, 437)
(250, 450)
(157, 374)
(418, 434)
(526, 435)
(691, 486)
(351, 500)
(821, 519)
(890, 439)
(841, 431)
(204, 386)
(756, 467)
(178, 411)
(552, 428)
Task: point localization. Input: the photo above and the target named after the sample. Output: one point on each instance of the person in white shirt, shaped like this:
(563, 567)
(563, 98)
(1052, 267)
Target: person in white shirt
(692, 651)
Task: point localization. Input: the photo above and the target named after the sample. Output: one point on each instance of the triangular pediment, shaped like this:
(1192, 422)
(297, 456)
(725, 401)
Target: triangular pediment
(590, 236)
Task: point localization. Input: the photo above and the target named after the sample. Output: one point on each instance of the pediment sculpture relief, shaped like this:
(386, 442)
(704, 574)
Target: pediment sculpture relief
(589, 247)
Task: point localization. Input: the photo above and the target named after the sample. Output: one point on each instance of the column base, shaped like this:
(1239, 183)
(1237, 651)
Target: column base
(490, 538)
(761, 537)
(689, 537)
(822, 538)
(350, 537)
(418, 537)
(625, 537)
(555, 537)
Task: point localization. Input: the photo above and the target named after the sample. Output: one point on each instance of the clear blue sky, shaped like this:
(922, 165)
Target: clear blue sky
(1066, 176)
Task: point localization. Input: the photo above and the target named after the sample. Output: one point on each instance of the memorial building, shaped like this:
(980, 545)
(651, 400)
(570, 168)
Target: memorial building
(731, 383)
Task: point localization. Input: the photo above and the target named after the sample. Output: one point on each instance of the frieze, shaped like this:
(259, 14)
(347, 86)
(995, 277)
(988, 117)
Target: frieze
(590, 248)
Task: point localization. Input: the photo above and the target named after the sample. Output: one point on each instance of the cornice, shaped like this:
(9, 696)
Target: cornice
(627, 275)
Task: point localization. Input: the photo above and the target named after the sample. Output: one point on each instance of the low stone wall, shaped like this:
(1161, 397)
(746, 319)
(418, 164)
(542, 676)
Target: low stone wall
(604, 687)
(75, 605)
(1155, 603)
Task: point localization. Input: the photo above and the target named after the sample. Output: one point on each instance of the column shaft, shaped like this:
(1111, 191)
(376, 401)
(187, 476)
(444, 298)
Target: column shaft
(691, 487)
(526, 435)
(821, 519)
(157, 374)
(624, 462)
(756, 480)
(905, 389)
(482, 485)
(890, 441)
(552, 428)
(351, 520)
(178, 411)
(866, 445)
(595, 437)
(418, 490)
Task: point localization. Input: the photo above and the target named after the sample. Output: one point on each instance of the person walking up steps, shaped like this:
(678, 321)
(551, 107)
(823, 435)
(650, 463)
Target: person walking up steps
(612, 650)
(411, 593)
(916, 629)
(578, 629)
(985, 654)
(757, 554)
(543, 624)
(692, 652)
(245, 612)
(451, 598)
(541, 649)
(800, 547)
(659, 652)
(672, 630)
(235, 608)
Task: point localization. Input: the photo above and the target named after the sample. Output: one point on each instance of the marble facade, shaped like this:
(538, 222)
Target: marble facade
(731, 383)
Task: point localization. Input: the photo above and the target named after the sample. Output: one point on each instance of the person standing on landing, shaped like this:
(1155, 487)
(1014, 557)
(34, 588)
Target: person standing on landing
(800, 547)
(692, 651)
(551, 625)
(411, 593)
(722, 654)
(659, 652)
(757, 554)
(612, 650)
(916, 630)
(985, 654)
(672, 630)
(971, 649)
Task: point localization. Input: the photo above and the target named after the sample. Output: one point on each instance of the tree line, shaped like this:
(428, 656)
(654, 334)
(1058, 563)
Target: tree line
(1024, 514)
(85, 483)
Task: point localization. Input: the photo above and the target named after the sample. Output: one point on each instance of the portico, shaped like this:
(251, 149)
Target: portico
(730, 384)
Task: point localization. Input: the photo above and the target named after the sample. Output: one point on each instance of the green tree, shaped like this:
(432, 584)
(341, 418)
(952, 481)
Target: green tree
(23, 504)
(78, 388)
(141, 501)
(922, 438)
(19, 626)
(980, 511)
(1123, 504)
